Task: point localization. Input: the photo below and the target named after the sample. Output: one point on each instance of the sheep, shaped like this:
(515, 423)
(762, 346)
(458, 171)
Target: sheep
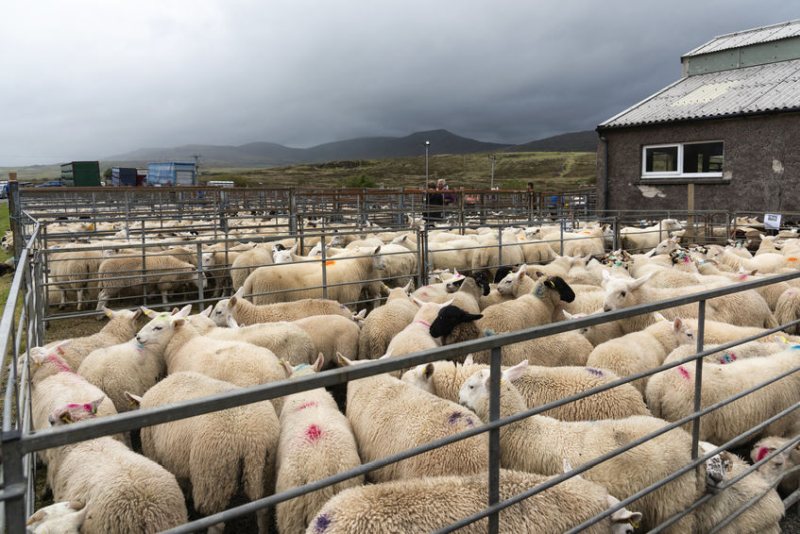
(763, 516)
(248, 261)
(417, 336)
(649, 237)
(166, 273)
(128, 366)
(239, 363)
(285, 339)
(54, 384)
(218, 453)
(512, 286)
(456, 254)
(431, 503)
(528, 310)
(316, 442)
(400, 264)
(669, 394)
(566, 348)
(787, 310)
(246, 313)
(752, 349)
(385, 322)
(64, 517)
(778, 466)
(464, 293)
(330, 334)
(540, 444)
(763, 263)
(74, 271)
(490, 257)
(454, 325)
(637, 351)
(120, 328)
(123, 491)
(599, 333)
(540, 385)
(345, 277)
(389, 416)
(746, 308)
(588, 242)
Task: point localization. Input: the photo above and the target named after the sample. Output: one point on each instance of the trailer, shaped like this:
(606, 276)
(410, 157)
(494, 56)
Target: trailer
(171, 173)
(81, 173)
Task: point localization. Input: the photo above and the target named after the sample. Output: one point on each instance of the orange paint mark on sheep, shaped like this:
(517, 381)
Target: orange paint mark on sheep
(330, 262)
(313, 433)
(791, 258)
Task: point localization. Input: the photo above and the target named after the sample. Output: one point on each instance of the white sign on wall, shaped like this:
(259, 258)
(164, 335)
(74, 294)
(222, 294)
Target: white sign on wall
(772, 221)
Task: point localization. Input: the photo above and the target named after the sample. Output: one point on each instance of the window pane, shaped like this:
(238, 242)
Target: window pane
(662, 159)
(702, 157)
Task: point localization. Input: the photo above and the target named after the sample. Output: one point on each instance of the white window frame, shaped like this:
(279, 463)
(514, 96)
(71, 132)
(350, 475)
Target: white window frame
(679, 173)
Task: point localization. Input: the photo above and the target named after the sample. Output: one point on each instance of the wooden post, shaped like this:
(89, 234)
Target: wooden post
(690, 215)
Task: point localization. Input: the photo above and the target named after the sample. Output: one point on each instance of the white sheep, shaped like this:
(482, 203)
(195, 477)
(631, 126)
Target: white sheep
(540, 444)
(164, 273)
(787, 309)
(330, 334)
(346, 276)
(670, 394)
(239, 363)
(534, 309)
(431, 503)
(246, 313)
(248, 261)
(417, 335)
(566, 348)
(121, 327)
(649, 237)
(74, 270)
(123, 491)
(540, 385)
(389, 416)
(385, 322)
(778, 467)
(218, 453)
(64, 517)
(316, 442)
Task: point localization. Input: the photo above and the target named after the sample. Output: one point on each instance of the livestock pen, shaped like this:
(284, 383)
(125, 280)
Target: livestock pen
(284, 215)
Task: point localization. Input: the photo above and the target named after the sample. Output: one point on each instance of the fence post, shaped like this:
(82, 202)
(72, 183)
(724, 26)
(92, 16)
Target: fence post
(292, 212)
(14, 479)
(698, 377)
(14, 212)
(200, 276)
(499, 247)
(422, 256)
(494, 436)
(617, 243)
(324, 268)
(561, 235)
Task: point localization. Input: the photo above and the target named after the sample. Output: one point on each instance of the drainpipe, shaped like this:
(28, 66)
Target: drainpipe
(604, 142)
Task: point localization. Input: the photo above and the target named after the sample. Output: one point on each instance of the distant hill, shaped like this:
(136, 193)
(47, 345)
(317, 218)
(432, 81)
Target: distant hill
(272, 154)
(585, 141)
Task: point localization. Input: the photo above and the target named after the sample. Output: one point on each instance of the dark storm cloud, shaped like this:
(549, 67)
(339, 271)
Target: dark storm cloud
(88, 79)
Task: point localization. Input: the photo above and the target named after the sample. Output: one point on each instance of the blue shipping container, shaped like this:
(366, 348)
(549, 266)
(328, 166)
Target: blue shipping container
(169, 174)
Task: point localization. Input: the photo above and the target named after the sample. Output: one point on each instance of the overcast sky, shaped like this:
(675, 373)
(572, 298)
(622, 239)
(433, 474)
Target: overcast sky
(86, 79)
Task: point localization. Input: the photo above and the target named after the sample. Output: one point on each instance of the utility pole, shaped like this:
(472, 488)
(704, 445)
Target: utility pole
(197, 165)
(427, 146)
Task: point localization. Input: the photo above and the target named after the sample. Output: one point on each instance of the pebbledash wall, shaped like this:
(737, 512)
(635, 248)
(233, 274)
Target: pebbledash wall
(761, 167)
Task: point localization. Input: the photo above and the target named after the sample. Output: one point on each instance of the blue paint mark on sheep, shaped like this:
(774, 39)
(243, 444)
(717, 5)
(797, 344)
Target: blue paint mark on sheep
(322, 523)
(594, 371)
(454, 417)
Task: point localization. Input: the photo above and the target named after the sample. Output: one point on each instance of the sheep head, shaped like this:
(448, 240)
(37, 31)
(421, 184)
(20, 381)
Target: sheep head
(161, 326)
(421, 377)
(509, 284)
(220, 313)
(557, 284)
(448, 318)
(65, 516)
(474, 393)
(683, 332)
(623, 521)
(622, 293)
(74, 412)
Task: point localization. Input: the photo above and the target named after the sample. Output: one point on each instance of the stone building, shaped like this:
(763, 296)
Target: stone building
(730, 126)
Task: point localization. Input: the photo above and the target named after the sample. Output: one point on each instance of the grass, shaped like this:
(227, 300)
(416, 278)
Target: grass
(549, 171)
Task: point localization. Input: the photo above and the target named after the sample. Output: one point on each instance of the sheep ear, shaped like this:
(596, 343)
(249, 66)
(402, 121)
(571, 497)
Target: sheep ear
(174, 311)
(377, 250)
(136, 314)
(677, 324)
(232, 322)
(427, 371)
(207, 311)
(134, 400)
(514, 373)
(293, 250)
(523, 269)
(185, 311)
(148, 312)
(178, 323)
(360, 316)
(568, 315)
(287, 367)
(636, 284)
(469, 360)
(319, 363)
(407, 288)
(343, 361)
(96, 404)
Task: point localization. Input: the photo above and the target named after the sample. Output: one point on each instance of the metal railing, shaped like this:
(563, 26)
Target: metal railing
(22, 326)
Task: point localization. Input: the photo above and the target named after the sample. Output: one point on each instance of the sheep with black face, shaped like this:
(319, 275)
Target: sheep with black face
(533, 309)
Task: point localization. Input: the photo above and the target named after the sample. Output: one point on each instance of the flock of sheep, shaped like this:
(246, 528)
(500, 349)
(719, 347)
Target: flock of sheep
(277, 326)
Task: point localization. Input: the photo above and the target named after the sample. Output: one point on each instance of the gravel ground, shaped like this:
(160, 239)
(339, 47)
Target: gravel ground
(791, 523)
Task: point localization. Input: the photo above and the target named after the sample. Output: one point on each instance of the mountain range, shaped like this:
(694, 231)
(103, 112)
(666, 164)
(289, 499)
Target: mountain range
(262, 154)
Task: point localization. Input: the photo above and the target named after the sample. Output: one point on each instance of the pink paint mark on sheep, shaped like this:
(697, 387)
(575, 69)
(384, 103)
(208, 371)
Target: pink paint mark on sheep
(313, 433)
(59, 363)
(309, 404)
(684, 373)
(762, 452)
